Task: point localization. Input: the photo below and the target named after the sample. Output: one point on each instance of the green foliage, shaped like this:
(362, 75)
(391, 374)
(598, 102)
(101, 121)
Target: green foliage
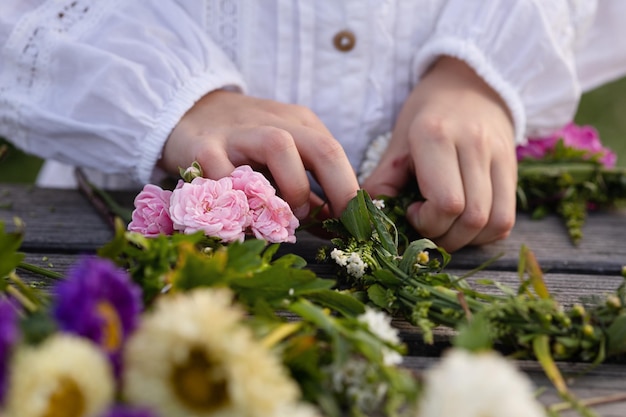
(428, 297)
(569, 188)
(11, 258)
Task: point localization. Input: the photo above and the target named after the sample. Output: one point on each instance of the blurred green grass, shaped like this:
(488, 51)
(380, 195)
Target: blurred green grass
(604, 108)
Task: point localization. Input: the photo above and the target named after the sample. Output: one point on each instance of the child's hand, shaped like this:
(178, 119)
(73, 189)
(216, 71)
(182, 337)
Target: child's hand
(455, 135)
(227, 129)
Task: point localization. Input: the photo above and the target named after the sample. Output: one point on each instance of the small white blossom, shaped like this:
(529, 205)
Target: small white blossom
(339, 257)
(359, 381)
(477, 385)
(379, 204)
(379, 323)
(356, 267)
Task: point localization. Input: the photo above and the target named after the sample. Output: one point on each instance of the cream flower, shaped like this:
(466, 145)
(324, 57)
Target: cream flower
(379, 323)
(477, 385)
(64, 376)
(191, 356)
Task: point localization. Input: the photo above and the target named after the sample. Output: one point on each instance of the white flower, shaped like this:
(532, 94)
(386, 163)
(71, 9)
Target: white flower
(379, 204)
(65, 375)
(356, 267)
(351, 261)
(358, 381)
(477, 385)
(193, 356)
(339, 257)
(379, 323)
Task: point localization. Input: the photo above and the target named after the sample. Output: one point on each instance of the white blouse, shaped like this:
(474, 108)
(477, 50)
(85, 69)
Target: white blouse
(101, 84)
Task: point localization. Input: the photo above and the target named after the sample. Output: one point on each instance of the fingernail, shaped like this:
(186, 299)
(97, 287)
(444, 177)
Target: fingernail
(302, 211)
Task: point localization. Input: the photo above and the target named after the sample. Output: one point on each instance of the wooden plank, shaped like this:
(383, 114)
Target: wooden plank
(56, 220)
(64, 220)
(601, 250)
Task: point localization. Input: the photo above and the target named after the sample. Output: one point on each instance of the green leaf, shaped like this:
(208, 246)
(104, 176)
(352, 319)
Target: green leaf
(338, 301)
(37, 326)
(278, 283)
(199, 270)
(315, 315)
(291, 260)
(245, 256)
(616, 334)
(356, 218)
(386, 278)
(475, 336)
(409, 257)
(378, 295)
(382, 225)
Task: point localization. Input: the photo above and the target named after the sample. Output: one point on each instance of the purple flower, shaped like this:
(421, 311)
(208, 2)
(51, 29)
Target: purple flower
(120, 411)
(8, 336)
(578, 137)
(99, 301)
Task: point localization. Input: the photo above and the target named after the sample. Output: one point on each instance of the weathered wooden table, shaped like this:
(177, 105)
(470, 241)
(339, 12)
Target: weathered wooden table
(62, 224)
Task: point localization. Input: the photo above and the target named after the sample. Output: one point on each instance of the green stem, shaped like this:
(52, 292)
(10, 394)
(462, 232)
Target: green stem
(40, 271)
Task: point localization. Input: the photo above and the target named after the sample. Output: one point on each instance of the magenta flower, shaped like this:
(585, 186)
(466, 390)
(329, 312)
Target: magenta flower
(272, 218)
(151, 216)
(99, 301)
(578, 137)
(8, 337)
(210, 206)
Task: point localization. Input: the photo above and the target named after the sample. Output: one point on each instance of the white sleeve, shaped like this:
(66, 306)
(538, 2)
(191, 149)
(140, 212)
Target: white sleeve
(601, 56)
(524, 49)
(101, 84)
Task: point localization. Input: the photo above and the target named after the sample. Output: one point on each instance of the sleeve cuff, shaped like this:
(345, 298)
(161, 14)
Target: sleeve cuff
(173, 110)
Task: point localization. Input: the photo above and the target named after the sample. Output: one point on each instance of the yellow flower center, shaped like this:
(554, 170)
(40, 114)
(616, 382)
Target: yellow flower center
(112, 330)
(423, 258)
(66, 400)
(201, 382)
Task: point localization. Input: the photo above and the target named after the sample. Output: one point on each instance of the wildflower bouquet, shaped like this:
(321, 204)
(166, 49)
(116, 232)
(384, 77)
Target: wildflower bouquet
(188, 310)
(216, 341)
(407, 278)
(569, 173)
(192, 327)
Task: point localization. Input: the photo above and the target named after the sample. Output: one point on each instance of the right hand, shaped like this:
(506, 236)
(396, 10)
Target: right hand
(226, 129)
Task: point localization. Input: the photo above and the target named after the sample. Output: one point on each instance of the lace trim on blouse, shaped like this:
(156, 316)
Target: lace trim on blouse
(222, 17)
(28, 47)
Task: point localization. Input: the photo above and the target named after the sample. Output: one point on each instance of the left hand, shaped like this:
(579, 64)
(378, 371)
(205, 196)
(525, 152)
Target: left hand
(455, 135)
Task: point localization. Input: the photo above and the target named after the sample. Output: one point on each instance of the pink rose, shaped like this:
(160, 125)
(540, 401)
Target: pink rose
(211, 206)
(254, 184)
(274, 221)
(578, 137)
(151, 216)
(272, 218)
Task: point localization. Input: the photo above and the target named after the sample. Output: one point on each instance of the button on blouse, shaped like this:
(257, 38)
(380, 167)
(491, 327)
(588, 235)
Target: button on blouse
(344, 41)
